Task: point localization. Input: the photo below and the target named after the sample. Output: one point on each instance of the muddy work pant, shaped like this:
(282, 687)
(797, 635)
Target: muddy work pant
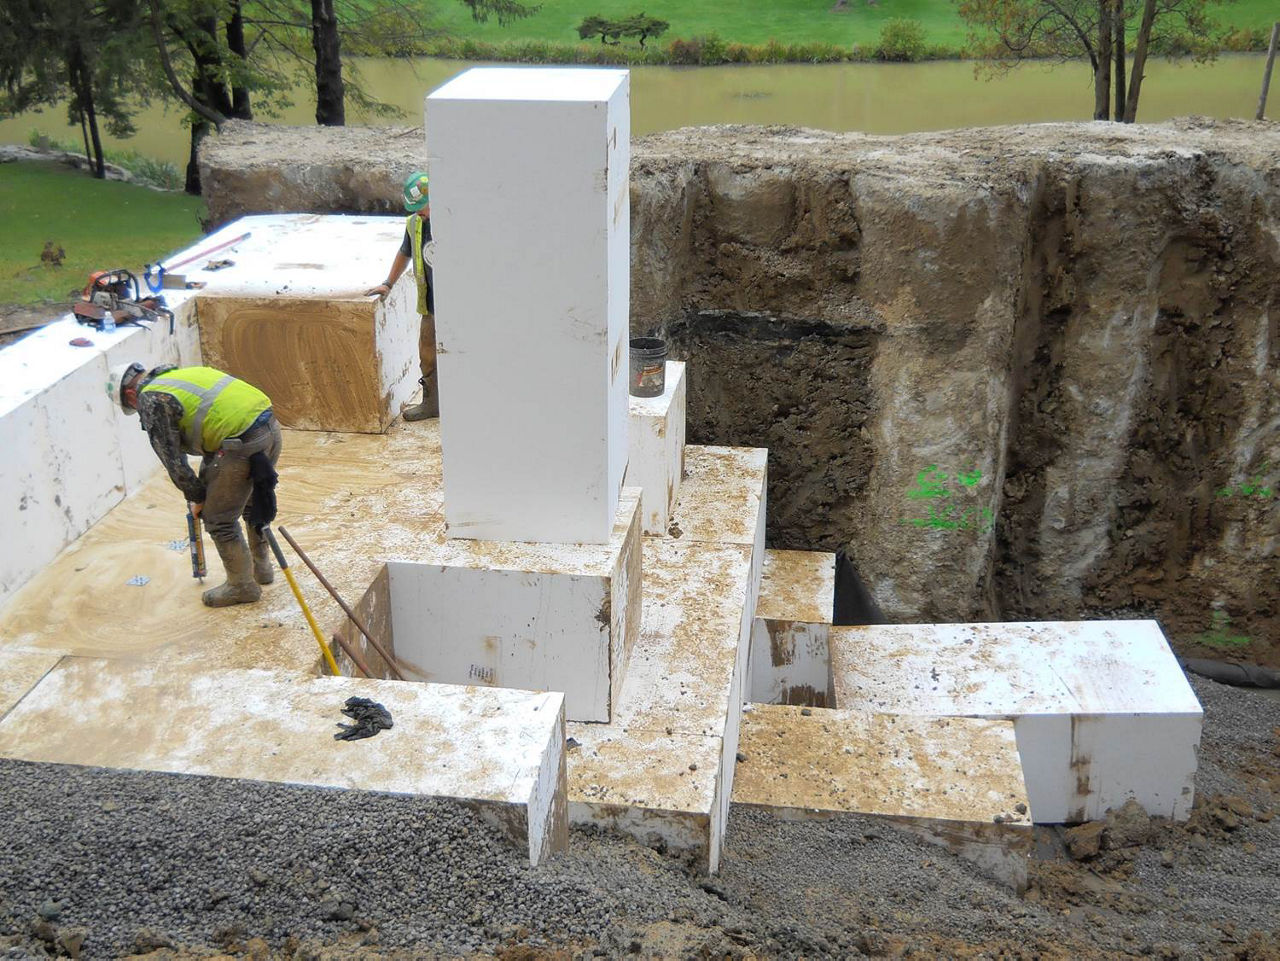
(427, 358)
(228, 485)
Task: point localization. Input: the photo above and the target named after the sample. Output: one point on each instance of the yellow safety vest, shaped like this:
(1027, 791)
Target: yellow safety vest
(215, 405)
(414, 225)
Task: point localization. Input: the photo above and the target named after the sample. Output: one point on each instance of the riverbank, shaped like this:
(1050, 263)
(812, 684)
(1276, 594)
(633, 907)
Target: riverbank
(900, 40)
(755, 31)
(870, 98)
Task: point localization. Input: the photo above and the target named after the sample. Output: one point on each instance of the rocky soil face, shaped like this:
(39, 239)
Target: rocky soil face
(1012, 373)
(108, 864)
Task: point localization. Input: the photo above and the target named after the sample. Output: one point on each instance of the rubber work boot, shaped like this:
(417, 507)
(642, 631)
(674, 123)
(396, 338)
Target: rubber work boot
(264, 572)
(430, 406)
(239, 588)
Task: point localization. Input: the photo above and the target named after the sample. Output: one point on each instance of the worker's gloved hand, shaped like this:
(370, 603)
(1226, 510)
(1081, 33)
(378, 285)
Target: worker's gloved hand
(380, 291)
(370, 717)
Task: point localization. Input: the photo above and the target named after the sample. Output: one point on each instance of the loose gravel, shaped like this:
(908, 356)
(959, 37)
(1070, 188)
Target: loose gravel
(106, 863)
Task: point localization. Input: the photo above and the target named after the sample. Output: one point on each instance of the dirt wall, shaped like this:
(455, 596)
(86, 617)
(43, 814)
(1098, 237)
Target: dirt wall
(1012, 373)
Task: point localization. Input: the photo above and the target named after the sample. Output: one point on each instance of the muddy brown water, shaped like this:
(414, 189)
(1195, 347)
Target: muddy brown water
(876, 98)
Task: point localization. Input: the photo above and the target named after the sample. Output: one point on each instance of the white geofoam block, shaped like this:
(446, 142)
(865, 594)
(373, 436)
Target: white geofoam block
(564, 622)
(67, 465)
(290, 316)
(500, 752)
(790, 661)
(531, 220)
(656, 448)
(1102, 710)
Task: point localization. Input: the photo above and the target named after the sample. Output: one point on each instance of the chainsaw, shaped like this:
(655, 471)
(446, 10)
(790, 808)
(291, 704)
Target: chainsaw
(112, 297)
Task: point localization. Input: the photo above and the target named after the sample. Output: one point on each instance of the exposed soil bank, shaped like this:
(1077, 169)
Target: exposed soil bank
(1013, 373)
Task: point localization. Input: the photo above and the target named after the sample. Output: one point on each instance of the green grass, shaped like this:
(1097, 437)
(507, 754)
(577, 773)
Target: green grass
(787, 21)
(99, 223)
(784, 21)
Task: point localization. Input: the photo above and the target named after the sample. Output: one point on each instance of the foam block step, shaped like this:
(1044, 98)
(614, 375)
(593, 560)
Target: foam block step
(790, 661)
(954, 781)
(19, 672)
(1101, 709)
(558, 617)
(290, 316)
(671, 744)
(655, 454)
(499, 750)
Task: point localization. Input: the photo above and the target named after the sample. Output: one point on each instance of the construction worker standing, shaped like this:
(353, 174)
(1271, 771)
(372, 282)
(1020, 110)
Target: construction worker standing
(230, 424)
(417, 235)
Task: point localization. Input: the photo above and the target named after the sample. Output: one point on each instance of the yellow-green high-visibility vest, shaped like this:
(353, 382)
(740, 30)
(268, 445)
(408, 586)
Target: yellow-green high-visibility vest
(414, 225)
(215, 405)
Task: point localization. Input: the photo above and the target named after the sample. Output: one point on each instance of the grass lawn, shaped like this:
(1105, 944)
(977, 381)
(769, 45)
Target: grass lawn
(788, 21)
(100, 224)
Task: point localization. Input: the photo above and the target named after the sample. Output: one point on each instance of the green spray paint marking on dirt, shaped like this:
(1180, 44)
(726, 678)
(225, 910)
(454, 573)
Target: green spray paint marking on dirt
(1253, 487)
(1219, 634)
(951, 518)
(931, 484)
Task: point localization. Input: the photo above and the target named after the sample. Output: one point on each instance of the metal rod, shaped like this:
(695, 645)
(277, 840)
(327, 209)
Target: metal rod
(356, 659)
(207, 251)
(377, 645)
(1266, 73)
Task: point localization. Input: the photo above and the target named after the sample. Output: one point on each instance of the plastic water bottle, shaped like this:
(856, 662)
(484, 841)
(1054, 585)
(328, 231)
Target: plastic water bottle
(108, 322)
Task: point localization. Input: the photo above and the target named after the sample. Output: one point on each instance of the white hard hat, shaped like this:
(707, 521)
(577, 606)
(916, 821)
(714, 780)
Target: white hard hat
(116, 380)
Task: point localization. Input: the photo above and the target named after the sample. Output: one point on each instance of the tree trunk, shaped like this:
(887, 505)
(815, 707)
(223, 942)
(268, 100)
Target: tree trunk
(1120, 61)
(199, 128)
(240, 105)
(330, 94)
(1102, 74)
(1139, 60)
(82, 84)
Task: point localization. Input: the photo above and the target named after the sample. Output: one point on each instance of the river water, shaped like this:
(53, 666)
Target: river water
(876, 98)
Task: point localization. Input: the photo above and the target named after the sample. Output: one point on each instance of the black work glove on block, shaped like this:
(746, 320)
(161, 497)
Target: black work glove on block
(370, 717)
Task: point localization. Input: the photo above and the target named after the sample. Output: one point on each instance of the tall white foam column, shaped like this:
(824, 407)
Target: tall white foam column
(531, 216)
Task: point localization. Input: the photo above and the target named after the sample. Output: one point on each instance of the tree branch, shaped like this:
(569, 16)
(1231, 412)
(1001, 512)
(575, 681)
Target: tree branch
(208, 113)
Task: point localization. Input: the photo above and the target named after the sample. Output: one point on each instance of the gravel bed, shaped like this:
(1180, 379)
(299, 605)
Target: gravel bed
(107, 863)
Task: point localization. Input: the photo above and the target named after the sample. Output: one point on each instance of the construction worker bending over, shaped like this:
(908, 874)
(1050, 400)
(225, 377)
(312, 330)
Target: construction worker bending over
(417, 235)
(230, 424)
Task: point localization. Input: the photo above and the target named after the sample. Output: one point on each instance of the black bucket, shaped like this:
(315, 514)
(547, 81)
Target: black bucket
(648, 366)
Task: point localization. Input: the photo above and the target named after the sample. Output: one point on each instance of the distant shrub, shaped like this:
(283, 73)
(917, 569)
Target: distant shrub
(772, 52)
(713, 51)
(901, 39)
(1246, 40)
(685, 52)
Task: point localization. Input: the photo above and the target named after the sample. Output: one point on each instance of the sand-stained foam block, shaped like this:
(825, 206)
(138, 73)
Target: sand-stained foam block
(954, 781)
(655, 441)
(531, 219)
(559, 617)
(501, 751)
(22, 670)
(790, 661)
(290, 316)
(683, 690)
(1102, 711)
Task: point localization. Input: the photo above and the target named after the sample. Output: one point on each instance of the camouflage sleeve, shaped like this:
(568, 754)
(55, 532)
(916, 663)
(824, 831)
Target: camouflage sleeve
(161, 416)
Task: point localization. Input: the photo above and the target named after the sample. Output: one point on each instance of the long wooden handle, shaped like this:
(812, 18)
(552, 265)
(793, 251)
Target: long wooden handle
(377, 645)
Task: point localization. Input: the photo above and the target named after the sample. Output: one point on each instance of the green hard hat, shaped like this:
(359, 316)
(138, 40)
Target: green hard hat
(415, 191)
